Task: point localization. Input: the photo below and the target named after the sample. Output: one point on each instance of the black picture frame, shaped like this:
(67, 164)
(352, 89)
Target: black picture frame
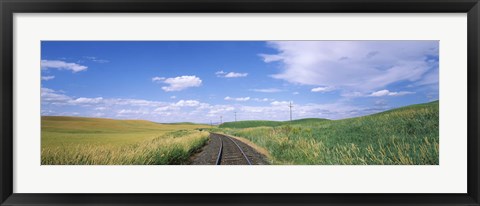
(10, 7)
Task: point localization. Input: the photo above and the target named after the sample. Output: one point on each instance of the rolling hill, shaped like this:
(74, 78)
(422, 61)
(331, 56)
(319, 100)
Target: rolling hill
(404, 136)
(266, 123)
(99, 141)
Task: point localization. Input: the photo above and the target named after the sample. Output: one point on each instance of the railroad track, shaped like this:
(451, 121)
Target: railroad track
(230, 153)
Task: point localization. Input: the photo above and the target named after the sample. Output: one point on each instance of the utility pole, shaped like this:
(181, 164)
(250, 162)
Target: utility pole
(235, 116)
(221, 121)
(290, 111)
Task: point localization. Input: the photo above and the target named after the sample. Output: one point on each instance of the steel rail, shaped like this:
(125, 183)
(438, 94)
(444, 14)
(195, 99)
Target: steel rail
(219, 156)
(245, 156)
(220, 152)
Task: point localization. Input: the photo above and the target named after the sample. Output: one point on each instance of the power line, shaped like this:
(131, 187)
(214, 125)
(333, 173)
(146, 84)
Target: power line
(290, 110)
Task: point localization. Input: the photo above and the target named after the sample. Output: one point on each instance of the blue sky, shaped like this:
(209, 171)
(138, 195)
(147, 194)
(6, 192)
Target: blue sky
(199, 81)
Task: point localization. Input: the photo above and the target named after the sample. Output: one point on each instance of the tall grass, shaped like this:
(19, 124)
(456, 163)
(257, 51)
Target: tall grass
(90, 141)
(170, 148)
(405, 136)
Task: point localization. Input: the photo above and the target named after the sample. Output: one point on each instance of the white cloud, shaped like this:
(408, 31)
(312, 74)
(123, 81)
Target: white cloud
(193, 110)
(431, 78)
(280, 103)
(220, 73)
(96, 60)
(239, 99)
(46, 78)
(219, 110)
(59, 98)
(262, 99)
(230, 74)
(352, 94)
(124, 112)
(322, 89)
(134, 102)
(385, 92)
(352, 65)
(178, 83)
(235, 75)
(173, 97)
(61, 65)
(280, 111)
(271, 57)
(158, 79)
(187, 103)
(268, 90)
(295, 93)
(162, 110)
(83, 100)
(52, 96)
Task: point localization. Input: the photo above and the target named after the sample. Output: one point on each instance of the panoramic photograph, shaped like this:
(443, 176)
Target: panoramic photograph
(240, 102)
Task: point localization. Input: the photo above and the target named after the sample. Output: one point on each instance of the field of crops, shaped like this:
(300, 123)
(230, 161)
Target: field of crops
(94, 141)
(403, 136)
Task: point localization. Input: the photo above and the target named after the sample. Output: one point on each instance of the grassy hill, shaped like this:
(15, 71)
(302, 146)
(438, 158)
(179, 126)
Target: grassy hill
(266, 123)
(406, 135)
(99, 141)
(102, 125)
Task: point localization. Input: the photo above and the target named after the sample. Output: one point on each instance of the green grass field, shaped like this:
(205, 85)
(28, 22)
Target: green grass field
(403, 136)
(95, 141)
(265, 123)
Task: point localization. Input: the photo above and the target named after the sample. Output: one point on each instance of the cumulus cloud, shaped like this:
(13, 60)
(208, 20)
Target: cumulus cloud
(268, 90)
(385, 92)
(52, 96)
(127, 112)
(165, 108)
(178, 83)
(239, 99)
(193, 110)
(280, 111)
(158, 79)
(353, 65)
(280, 103)
(61, 65)
(230, 74)
(235, 75)
(187, 103)
(133, 102)
(83, 100)
(219, 110)
(46, 78)
(322, 89)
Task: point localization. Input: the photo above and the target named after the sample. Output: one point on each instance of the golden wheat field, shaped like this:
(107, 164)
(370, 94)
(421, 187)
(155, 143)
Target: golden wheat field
(96, 141)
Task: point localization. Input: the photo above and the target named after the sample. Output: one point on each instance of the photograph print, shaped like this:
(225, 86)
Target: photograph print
(240, 102)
